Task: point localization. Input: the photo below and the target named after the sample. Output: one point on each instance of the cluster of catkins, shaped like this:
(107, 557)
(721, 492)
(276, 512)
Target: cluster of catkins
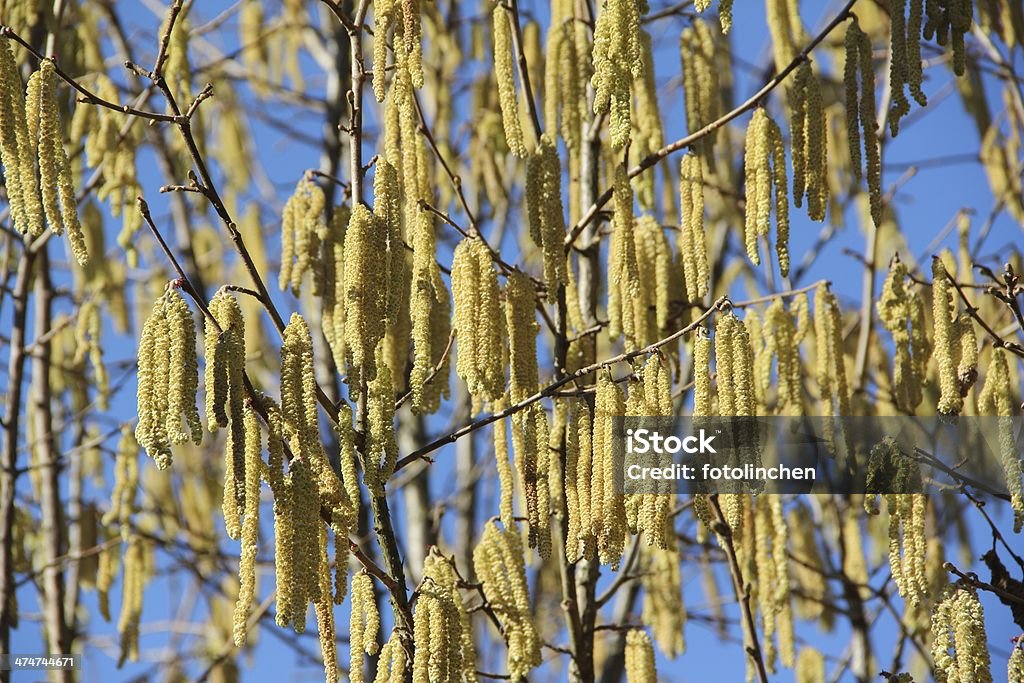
(37, 173)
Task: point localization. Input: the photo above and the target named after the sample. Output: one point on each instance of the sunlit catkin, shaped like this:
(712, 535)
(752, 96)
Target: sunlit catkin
(297, 553)
(580, 541)
(895, 308)
(692, 239)
(59, 202)
(133, 582)
(809, 143)
(831, 369)
(17, 151)
(905, 59)
(607, 502)
(701, 85)
(861, 122)
(618, 60)
(504, 74)
(521, 322)
(302, 228)
(392, 661)
(663, 608)
(545, 212)
(626, 312)
(168, 378)
(442, 631)
(126, 482)
(562, 78)
(996, 398)
(946, 343)
(224, 341)
(639, 657)
(810, 665)
(500, 566)
(366, 288)
(960, 647)
(1015, 665)
(364, 623)
(478, 320)
(765, 173)
(250, 526)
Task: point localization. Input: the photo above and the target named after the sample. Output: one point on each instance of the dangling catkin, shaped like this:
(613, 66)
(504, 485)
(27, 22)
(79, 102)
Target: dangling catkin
(521, 323)
(442, 631)
(298, 546)
(1015, 666)
(905, 59)
(504, 74)
(363, 624)
(503, 467)
(692, 239)
(381, 449)
(59, 201)
(809, 143)
(639, 657)
(626, 311)
(225, 398)
(663, 608)
(133, 583)
(896, 309)
(366, 288)
(765, 170)
(831, 369)
(545, 212)
(500, 566)
(168, 379)
(250, 526)
(701, 86)
(607, 504)
(810, 665)
(618, 60)
(654, 265)
(478, 320)
(126, 482)
(996, 398)
(17, 151)
(302, 228)
(960, 647)
(947, 346)
(861, 122)
(562, 78)
(392, 661)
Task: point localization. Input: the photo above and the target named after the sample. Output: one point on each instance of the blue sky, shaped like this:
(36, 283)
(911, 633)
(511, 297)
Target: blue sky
(924, 204)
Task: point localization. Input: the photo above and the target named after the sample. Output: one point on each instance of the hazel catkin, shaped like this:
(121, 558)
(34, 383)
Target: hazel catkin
(693, 240)
(765, 173)
(947, 346)
(618, 60)
(478, 320)
(505, 77)
(639, 657)
(302, 228)
(168, 378)
(545, 212)
(17, 151)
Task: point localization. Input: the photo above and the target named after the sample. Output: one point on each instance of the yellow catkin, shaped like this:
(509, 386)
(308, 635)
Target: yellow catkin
(449, 653)
(831, 369)
(780, 333)
(88, 340)
(996, 398)
(809, 143)
(960, 646)
(725, 15)
(663, 608)
(562, 80)
(765, 173)
(385, 14)
(545, 212)
(478, 320)
(861, 121)
(302, 228)
(625, 307)
(895, 309)
(693, 240)
(363, 624)
(617, 60)
(504, 74)
(412, 34)
(1015, 665)
(381, 449)
(967, 353)
(298, 546)
(224, 344)
(654, 265)
(500, 566)
(126, 482)
(17, 151)
(324, 608)
(59, 201)
(648, 136)
(250, 526)
(582, 475)
(607, 504)
(168, 379)
(133, 583)
(808, 567)
(366, 288)
(810, 666)
(504, 469)
(701, 85)
(521, 322)
(639, 656)
(392, 661)
(945, 339)
(332, 318)
(701, 373)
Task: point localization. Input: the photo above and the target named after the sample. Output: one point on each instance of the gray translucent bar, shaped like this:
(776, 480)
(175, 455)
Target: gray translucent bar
(667, 455)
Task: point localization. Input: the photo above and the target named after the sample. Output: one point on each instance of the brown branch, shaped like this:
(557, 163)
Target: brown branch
(552, 388)
(654, 157)
(753, 646)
